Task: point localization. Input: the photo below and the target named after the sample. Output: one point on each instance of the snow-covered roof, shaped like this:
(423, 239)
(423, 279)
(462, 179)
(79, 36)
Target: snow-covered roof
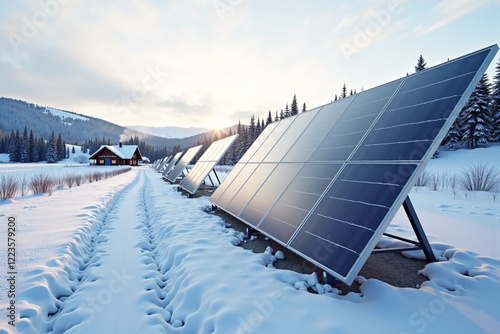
(124, 152)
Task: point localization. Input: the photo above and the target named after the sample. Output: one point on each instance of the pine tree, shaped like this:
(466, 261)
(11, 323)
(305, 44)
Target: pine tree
(287, 111)
(343, 95)
(304, 107)
(421, 64)
(61, 150)
(251, 129)
(282, 114)
(294, 109)
(24, 157)
(35, 154)
(453, 136)
(477, 124)
(336, 98)
(269, 119)
(276, 118)
(31, 147)
(258, 129)
(495, 105)
(14, 147)
(51, 155)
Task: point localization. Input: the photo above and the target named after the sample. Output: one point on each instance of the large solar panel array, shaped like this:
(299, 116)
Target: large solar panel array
(185, 160)
(326, 183)
(206, 163)
(171, 164)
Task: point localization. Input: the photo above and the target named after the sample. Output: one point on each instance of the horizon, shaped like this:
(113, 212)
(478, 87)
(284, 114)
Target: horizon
(212, 63)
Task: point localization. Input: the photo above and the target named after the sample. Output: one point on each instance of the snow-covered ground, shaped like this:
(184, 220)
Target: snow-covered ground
(132, 255)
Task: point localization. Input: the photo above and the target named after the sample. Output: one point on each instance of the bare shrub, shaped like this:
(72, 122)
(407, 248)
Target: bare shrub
(60, 181)
(479, 177)
(89, 178)
(41, 184)
(424, 179)
(97, 176)
(453, 184)
(8, 187)
(78, 178)
(69, 179)
(81, 159)
(23, 184)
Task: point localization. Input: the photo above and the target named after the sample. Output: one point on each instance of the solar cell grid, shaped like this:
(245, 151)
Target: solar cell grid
(330, 195)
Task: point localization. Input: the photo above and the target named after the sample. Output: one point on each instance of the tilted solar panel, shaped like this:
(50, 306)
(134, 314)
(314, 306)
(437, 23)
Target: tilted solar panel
(185, 160)
(327, 185)
(206, 163)
(171, 164)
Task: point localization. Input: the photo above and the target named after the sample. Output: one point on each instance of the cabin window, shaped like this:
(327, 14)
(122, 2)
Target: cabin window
(113, 162)
(101, 162)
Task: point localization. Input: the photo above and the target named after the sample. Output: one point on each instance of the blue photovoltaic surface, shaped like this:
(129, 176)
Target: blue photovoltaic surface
(326, 183)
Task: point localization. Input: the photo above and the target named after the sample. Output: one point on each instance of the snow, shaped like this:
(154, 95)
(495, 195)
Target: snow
(130, 254)
(64, 114)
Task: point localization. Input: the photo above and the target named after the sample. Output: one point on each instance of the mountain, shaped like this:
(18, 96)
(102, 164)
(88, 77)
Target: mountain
(76, 128)
(169, 131)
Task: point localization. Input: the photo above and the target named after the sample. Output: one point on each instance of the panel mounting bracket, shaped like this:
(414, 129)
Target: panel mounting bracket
(423, 242)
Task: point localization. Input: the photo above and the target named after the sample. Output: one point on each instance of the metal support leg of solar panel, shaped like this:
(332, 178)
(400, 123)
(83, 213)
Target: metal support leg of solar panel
(422, 243)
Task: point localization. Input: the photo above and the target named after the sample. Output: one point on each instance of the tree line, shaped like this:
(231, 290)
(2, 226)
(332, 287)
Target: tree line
(29, 148)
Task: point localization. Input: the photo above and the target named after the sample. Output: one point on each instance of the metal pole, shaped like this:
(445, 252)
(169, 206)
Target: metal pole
(419, 231)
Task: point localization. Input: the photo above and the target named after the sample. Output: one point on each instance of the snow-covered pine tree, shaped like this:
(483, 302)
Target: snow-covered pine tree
(304, 107)
(294, 109)
(453, 136)
(14, 152)
(477, 121)
(276, 118)
(73, 150)
(258, 129)
(24, 157)
(421, 64)
(282, 114)
(51, 155)
(495, 106)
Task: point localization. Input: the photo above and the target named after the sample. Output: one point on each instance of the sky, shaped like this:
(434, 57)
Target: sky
(210, 63)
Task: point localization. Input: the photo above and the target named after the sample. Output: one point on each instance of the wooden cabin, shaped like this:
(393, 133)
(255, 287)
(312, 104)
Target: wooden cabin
(115, 155)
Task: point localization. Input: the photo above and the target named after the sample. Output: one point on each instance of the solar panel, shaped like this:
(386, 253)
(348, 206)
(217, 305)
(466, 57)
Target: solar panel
(162, 164)
(206, 163)
(185, 160)
(171, 164)
(327, 183)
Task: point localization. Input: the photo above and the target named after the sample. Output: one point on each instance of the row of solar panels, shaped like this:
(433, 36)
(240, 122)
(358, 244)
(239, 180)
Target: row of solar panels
(172, 167)
(326, 183)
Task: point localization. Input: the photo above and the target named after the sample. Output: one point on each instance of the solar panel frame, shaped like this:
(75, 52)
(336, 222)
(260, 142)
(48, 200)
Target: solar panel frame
(172, 163)
(206, 163)
(183, 162)
(414, 165)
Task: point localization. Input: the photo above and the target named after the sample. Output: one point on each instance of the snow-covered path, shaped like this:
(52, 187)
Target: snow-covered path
(110, 290)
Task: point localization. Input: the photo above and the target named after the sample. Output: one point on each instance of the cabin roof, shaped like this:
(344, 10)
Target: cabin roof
(124, 152)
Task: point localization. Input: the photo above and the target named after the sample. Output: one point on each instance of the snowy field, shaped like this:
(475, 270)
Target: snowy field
(132, 255)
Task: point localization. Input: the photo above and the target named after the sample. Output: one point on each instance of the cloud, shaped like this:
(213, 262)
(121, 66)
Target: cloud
(447, 11)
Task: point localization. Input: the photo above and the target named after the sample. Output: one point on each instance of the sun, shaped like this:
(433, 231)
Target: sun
(218, 123)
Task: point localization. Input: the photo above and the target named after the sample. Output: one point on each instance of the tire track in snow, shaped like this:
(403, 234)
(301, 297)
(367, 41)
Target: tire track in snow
(53, 286)
(114, 290)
